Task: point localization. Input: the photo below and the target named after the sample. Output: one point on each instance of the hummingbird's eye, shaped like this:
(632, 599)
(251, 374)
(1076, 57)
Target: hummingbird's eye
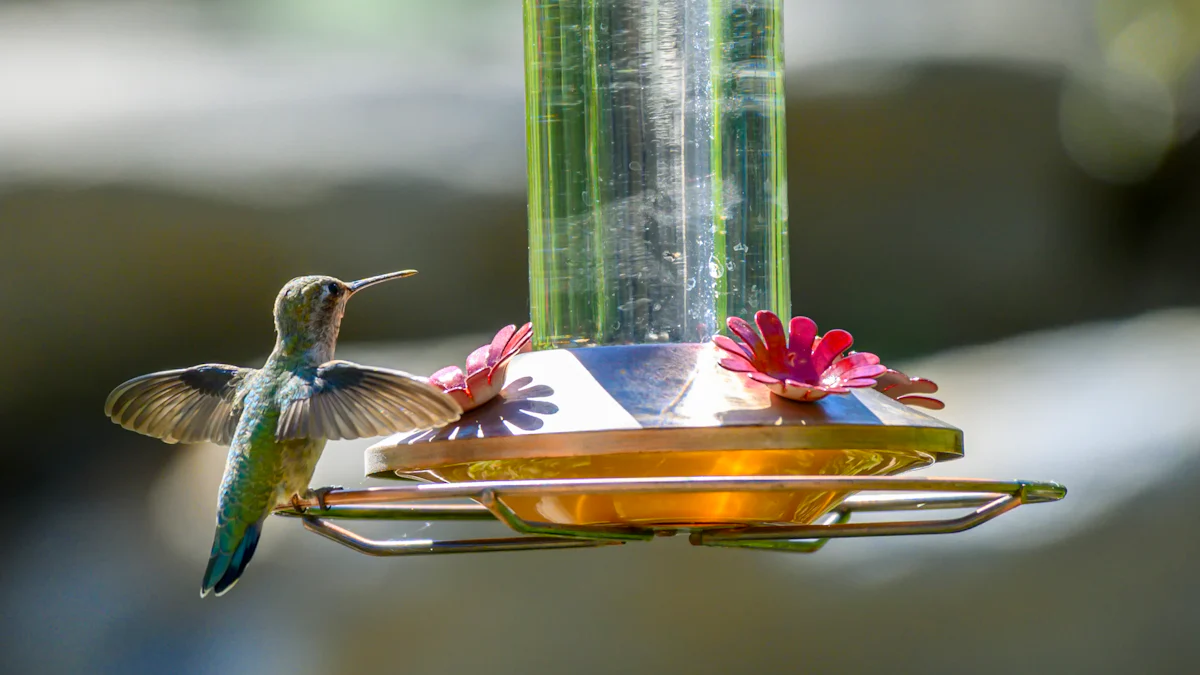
(334, 288)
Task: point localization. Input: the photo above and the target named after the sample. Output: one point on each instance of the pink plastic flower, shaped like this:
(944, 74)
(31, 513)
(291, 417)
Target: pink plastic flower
(909, 390)
(485, 368)
(800, 365)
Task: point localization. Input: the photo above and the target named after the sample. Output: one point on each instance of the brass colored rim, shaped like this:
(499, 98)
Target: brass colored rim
(387, 462)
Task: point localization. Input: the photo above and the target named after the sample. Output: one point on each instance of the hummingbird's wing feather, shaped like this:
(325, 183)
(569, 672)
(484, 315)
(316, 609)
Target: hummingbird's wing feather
(346, 401)
(189, 405)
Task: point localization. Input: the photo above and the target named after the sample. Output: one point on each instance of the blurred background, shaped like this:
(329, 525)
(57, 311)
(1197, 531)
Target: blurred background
(1019, 181)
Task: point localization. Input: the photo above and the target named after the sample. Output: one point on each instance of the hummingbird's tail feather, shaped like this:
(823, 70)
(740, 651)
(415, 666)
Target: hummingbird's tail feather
(225, 568)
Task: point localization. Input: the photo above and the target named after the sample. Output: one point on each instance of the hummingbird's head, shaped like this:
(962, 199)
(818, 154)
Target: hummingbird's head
(309, 310)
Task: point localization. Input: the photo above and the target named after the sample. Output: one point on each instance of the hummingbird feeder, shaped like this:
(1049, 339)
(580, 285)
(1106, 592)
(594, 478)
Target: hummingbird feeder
(658, 218)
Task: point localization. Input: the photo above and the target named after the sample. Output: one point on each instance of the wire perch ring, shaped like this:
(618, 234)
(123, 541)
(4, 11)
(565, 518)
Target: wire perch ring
(988, 499)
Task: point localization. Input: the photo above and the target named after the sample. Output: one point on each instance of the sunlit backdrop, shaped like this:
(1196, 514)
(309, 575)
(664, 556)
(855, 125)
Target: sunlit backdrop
(1023, 178)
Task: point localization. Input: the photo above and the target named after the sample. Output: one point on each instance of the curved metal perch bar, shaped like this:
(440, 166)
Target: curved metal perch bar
(987, 498)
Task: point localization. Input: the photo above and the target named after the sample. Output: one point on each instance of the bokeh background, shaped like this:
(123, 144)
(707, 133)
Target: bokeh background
(1004, 196)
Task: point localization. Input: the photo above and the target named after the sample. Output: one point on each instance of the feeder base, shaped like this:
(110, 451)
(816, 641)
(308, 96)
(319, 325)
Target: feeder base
(643, 411)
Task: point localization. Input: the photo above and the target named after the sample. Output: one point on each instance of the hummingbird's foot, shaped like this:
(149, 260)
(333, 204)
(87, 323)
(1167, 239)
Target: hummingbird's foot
(319, 494)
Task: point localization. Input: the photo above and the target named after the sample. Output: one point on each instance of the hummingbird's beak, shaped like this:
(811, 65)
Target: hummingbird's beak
(356, 286)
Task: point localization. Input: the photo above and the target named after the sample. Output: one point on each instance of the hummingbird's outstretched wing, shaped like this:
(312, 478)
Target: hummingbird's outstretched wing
(189, 405)
(346, 401)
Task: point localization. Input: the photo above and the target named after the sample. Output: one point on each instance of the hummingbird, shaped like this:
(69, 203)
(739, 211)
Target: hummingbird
(276, 419)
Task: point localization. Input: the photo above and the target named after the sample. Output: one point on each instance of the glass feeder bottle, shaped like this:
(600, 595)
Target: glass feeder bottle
(657, 171)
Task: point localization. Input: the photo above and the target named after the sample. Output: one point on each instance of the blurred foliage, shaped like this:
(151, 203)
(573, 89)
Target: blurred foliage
(1121, 118)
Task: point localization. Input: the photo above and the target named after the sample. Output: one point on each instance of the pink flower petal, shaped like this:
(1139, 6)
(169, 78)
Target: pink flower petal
(521, 341)
(737, 364)
(798, 391)
(801, 333)
(495, 350)
(804, 366)
(764, 378)
(478, 382)
(482, 392)
(485, 368)
(832, 345)
(897, 384)
(463, 398)
(772, 332)
(449, 378)
(779, 389)
(739, 327)
(477, 362)
(855, 360)
(858, 383)
(869, 372)
(732, 347)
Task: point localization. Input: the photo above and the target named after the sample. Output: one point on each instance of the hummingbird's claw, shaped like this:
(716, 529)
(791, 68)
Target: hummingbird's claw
(320, 493)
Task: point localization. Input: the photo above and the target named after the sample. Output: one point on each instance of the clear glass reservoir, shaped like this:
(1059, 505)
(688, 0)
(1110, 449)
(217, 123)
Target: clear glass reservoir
(657, 175)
